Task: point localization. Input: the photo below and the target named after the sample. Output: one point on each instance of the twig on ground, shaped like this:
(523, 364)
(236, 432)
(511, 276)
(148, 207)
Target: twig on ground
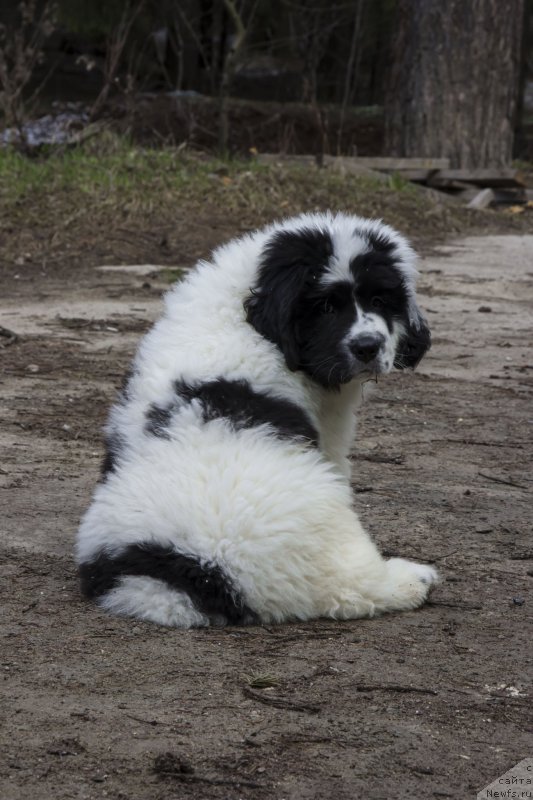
(380, 459)
(450, 604)
(505, 481)
(279, 702)
(169, 765)
(392, 687)
(152, 722)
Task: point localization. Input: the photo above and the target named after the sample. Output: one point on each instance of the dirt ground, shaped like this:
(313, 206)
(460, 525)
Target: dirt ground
(433, 703)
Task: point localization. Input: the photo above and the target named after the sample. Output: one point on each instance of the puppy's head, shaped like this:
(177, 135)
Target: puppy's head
(336, 294)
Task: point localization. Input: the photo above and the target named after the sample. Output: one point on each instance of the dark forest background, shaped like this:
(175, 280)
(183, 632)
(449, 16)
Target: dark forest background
(175, 70)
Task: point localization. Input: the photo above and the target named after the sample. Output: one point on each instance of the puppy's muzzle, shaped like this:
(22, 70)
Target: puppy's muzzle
(367, 346)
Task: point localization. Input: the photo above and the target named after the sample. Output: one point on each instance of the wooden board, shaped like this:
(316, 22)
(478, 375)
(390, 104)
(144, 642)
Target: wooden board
(423, 165)
(446, 178)
(344, 165)
(401, 164)
(351, 166)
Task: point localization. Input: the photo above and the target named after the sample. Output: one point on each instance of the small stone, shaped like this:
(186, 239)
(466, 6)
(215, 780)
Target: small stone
(484, 309)
(518, 601)
(32, 368)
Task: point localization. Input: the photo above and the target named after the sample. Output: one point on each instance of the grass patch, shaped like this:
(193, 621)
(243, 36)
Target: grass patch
(111, 176)
(115, 171)
(261, 680)
(108, 201)
(172, 274)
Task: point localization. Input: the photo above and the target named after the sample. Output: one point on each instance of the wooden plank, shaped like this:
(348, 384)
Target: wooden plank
(350, 166)
(345, 166)
(281, 158)
(510, 196)
(483, 199)
(504, 177)
(401, 164)
(416, 175)
(424, 165)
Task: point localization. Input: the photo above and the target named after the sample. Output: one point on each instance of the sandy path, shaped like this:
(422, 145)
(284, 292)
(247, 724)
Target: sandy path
(443, 473)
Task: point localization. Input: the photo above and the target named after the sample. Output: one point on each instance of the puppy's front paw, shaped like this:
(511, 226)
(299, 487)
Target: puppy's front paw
(409, 583)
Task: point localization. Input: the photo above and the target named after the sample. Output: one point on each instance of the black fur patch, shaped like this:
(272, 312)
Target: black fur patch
(112, 448)
(413, 346)
(292, 261)
(380, 286)
(158, 420)
(379, 242)
(207, 586)
(112, 442)
(243, 407)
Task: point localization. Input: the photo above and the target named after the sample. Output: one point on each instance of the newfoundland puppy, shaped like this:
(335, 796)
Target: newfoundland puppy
(225, 495)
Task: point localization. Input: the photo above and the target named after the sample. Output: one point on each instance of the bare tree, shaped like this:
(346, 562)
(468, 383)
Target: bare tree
(230, 65)
(454, 81)
(350, 76)
(115, 50)
(21, 51)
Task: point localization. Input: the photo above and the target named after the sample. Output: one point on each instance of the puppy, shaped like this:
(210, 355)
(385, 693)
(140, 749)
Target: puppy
(225, 495)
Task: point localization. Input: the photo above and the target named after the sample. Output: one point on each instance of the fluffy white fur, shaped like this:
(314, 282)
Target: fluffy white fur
(274, 514)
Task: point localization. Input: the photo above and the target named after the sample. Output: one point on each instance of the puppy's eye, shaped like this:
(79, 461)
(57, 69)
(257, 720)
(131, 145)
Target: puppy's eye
(377, 302)
(327, 307)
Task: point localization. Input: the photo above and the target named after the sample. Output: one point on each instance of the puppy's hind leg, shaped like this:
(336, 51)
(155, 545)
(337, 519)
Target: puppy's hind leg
(369, 585)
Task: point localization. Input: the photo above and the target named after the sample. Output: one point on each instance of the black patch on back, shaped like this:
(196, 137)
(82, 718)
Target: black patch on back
(238, 403)
(207, 586)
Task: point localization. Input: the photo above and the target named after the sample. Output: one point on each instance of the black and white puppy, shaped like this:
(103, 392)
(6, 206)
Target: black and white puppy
(226, 494)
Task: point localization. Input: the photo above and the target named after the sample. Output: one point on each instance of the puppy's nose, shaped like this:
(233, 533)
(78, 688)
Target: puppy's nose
(366, 347)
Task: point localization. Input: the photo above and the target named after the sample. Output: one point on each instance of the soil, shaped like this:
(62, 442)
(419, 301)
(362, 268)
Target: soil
(432, 703)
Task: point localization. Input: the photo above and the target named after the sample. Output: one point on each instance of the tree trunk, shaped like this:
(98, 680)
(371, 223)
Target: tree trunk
(454, 81)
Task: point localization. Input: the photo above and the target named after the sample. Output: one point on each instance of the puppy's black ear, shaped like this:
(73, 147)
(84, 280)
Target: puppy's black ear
(413, 345)
(269, 312)
(291, 262)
